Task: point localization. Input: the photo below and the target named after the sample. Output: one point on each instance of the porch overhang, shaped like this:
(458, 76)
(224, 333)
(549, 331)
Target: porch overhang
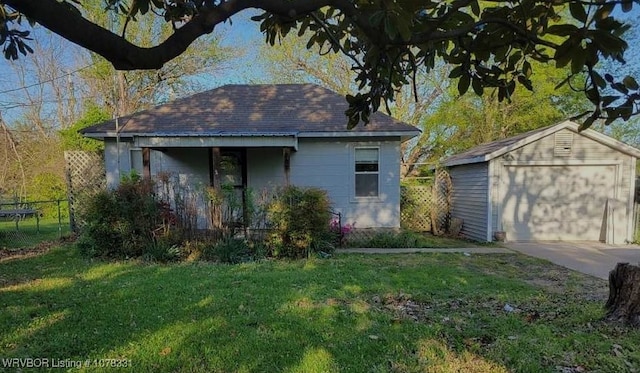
(403, 135)
(219, 141)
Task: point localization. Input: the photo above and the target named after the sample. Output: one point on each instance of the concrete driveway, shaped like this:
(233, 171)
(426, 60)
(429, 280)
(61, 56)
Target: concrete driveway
(592, 258)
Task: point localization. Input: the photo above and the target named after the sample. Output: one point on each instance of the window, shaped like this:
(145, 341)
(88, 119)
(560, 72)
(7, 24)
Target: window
(367, 172)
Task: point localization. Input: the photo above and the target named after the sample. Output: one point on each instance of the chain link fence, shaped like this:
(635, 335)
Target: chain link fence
(25, 224)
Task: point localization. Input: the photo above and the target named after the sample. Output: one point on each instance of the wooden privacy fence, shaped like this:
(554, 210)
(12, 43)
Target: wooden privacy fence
(85, 176)
(426, 207)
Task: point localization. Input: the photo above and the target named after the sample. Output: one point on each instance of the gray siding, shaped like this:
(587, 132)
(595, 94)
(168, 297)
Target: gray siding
(322, 163)
(117, 161)
(265, 168)
(583, 149)
(188, 171)
(329, 164)
(469, 198)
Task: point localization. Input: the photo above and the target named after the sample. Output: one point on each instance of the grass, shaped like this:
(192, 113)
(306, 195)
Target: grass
(351, 313)
(28, 234)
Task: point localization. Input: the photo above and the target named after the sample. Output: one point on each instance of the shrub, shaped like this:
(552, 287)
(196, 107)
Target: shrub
(387, 240)
(123, 223)
(166, 246)
(300, 222)
(228, 250)
(3, 238)
(48, 186)
(341, 232)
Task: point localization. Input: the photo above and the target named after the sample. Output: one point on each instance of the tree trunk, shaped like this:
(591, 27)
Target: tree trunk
(624, 294)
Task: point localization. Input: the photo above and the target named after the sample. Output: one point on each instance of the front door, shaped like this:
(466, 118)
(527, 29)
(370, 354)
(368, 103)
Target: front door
(233, 182)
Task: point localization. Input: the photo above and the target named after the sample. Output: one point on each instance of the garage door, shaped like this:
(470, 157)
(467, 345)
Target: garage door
(556, 202)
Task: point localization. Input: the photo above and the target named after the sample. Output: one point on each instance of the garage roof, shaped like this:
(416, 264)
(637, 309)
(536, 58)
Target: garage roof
(494, 149)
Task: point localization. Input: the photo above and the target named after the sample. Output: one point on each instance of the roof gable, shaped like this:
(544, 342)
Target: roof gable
(494, 149)
(273, 109)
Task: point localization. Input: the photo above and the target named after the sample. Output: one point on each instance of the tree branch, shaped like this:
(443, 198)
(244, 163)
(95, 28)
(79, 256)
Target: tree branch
(64, 20)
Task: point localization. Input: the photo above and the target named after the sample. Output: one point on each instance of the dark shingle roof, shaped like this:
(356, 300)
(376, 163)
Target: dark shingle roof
(249, 109)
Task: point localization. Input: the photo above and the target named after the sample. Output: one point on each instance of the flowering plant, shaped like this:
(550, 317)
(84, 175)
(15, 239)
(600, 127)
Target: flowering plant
(341, 231)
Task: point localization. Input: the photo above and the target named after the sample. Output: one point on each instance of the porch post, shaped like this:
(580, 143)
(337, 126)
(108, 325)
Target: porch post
(214, 182)
(287, 166)
(146, 163)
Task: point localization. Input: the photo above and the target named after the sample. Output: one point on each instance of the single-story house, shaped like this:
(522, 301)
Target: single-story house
(553, 183)
(263, 136)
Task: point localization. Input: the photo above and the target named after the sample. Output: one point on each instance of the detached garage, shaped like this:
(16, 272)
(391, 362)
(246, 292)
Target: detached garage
(554, 183)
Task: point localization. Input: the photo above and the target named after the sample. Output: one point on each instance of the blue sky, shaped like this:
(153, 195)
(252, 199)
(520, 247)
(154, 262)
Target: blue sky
(245, 34)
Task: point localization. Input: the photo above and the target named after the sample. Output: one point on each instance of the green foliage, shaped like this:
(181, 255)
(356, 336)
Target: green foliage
(488, 44)
(47, 186)
(71, 137)
(123, 223)
(228, 250)
(231, 209)
(460, 123)
(3, 239)
(164, 248)
(300, 220)
(386, 240)
(413, 205)
(401, 239)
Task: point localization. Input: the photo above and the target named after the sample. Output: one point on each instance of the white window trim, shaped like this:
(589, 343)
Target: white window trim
(354, 197)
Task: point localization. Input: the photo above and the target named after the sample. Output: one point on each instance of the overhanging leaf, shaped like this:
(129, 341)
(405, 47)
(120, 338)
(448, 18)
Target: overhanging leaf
(577, 11)
(630, 83)
(463, 84)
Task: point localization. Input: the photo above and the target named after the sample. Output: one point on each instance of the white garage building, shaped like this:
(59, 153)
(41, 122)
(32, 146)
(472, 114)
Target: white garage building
(553, 183)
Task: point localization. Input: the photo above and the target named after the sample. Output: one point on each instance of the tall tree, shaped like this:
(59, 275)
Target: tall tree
(289, 61)
(49, 91)
(131, 91)
(39, 99)
(463, 122)
(449, 123)
(490, 44)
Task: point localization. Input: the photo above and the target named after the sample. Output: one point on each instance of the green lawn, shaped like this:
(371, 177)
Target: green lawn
(30, 232)
(350, 313)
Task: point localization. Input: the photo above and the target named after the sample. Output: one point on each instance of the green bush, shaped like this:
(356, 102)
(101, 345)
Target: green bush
(48, 186)
(228, 250)
(3, 238)
(299, 219)
(166, 246)
(123, 223)
(71, 137)
(389, 240)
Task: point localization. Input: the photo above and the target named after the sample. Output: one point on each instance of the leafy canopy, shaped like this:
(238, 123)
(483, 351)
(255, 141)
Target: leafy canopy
(71, 137)
(489, 43)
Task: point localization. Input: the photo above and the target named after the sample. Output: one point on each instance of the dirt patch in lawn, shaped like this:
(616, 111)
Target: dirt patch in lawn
(552, 278)
(558, 283)
(27, 252)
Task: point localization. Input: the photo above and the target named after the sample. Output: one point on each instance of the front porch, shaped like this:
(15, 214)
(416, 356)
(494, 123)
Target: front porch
(189, 177)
